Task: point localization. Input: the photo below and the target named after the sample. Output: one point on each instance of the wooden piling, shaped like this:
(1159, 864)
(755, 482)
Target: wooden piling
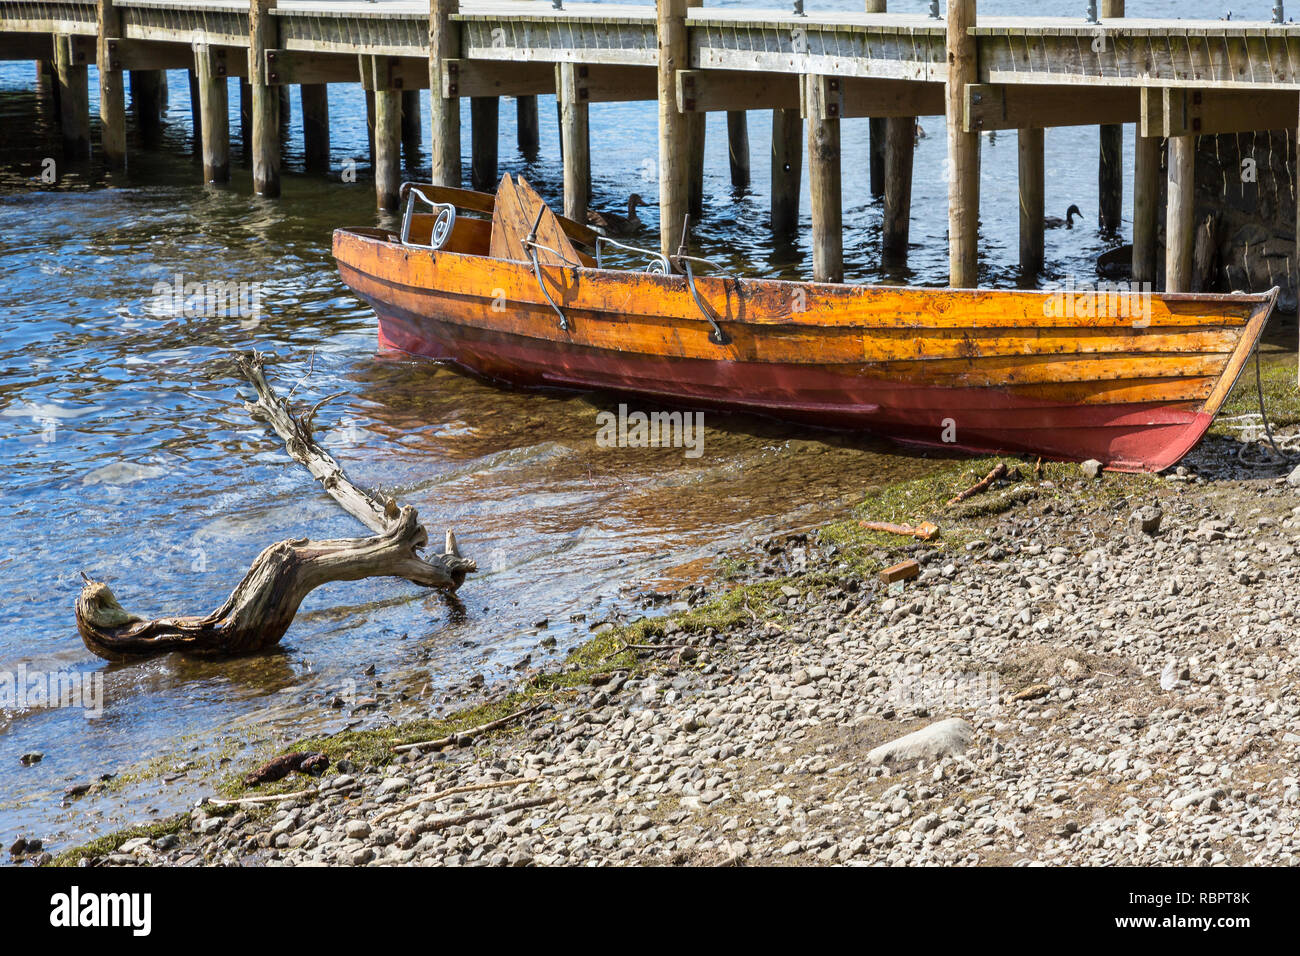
(388, 146)
(411, 131)
(526, 126)
(262, 36)
(695, 133)
(210, 66)
(1180, 232)
(484, 116)
(824, 186)
(963, 150)
(1110, 162)
(46, 81)
(147, 105)
(1032, 181)
(878, 135)
(900, 146)
(315, 127)
(787, 170)
(370, 127)
(574, 141)
(738, 147)
(444, 44)
(246, 121)
(1146, 198)
(674, 173)
(112, 87)
(196, 114)
(74, 99)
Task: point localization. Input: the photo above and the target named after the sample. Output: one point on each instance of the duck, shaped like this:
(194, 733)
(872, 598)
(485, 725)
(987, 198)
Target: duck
(614, 224)
(1056, 222)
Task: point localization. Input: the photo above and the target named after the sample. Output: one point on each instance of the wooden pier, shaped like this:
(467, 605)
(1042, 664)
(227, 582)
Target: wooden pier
(1175, 79)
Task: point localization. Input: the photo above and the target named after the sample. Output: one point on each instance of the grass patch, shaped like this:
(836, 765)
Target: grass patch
(110, 843)
(1277, 375)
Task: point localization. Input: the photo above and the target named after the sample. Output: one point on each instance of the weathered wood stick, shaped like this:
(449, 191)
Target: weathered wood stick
(480, 729)
(924, 531)
(999, 472)
(263, 604)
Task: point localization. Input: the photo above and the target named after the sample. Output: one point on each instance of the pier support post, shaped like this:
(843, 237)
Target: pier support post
(315, 127)
(411, 132)
(147, 105)
(196, 113)
(210, 66)
(1110, 161)
(262, 36)
(825, 187)
(370, 126)
(1180, 232)
(787, 170)
(1030, 150)
(963, 150)
(526, 126)
(1146, 196)
(246, 120)
(695, 133)
(45, 78)
(738, 147)
(485, 134)
(388, 147)
(112, 86)
(900, 147)
(444, 44)
(74, 98)
(674, 174)
(877, 129)
(574, 142)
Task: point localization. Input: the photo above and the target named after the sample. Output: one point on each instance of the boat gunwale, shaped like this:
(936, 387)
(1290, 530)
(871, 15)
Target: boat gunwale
(364, 233)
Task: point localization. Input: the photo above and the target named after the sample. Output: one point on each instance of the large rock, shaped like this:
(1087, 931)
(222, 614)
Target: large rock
(942, 739)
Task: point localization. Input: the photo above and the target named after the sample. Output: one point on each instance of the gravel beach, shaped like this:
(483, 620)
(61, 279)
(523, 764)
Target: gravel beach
(1087, 678)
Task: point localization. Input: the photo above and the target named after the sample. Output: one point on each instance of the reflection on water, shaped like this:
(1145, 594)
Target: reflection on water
(127, 456)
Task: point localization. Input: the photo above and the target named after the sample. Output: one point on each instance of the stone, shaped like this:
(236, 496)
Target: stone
(1091, 468)
(1147, 519)
(945, 738)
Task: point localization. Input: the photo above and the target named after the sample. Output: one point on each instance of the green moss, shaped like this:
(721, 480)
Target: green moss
(110, 843)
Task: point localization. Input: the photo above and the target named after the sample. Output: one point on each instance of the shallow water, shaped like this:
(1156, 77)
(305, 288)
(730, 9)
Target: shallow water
(127, 455)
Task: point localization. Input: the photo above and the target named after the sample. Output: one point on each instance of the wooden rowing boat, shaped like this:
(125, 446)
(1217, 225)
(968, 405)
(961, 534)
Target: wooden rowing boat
(527, 298)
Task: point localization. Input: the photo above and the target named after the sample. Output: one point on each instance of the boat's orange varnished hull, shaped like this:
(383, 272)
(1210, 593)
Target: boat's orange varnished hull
(1134, 387)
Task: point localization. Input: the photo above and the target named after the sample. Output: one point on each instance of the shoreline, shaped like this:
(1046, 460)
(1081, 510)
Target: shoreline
(1126, 697)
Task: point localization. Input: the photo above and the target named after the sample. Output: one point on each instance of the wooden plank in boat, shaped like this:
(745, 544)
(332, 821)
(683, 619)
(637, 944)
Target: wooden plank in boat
(518, 208)
(550, 233)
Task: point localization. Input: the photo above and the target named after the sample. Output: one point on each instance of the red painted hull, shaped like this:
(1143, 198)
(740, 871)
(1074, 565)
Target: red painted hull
(1128, 437)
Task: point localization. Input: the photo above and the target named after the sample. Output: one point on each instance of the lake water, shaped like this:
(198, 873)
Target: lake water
(127, 455)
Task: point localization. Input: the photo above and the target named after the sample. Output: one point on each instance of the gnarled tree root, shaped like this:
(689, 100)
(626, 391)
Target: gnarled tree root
(263, 605)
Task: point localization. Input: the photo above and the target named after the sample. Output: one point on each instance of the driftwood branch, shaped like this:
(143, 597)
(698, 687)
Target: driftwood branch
(263, 605)
(1000, 471)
